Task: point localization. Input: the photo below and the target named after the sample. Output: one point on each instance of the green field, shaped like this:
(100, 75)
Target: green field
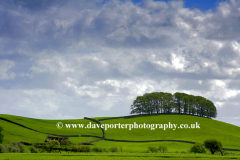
(106, 156)
(16, 133)
(228, 134)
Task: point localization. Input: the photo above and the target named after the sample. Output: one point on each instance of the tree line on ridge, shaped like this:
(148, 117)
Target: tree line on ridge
(160, 102)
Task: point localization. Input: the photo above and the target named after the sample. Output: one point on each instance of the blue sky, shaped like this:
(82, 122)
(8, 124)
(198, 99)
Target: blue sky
(70, 59)
(203, 5)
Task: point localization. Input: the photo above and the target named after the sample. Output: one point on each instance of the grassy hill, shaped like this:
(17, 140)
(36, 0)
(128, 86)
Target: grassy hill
(15, 133)
(228, 134)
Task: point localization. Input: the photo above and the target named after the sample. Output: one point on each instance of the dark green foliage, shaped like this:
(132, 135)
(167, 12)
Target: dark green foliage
(197, 148)
(121, 149)
(2, 148)
(1, 134)
(97, 149)
(52, 144)
(213, 145)
(152, 149)
(162, 149)
(76, 148)
(160, 102)
(33, 149)
(22, 148)
(13, 147)
(84, 148)
(14, 143)
(42, 147)
(81, 148)
(68, 148)
(113, 149)
(64, 142)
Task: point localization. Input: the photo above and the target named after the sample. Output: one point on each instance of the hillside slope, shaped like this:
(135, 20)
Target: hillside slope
(228, 134)
(16, 133)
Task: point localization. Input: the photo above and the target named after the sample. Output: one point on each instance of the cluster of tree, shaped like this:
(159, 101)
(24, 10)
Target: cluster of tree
(13, 147)
(160, 102)
(67, 146)
(212, 145)
(162, 149)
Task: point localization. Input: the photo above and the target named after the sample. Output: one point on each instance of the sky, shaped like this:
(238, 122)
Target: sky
(73, 59)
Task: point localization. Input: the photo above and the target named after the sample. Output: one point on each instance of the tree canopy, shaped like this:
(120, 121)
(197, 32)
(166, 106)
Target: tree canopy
(213, 145)
(1, 134)
(160, 102)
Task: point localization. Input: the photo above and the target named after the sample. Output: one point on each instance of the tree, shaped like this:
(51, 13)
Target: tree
(152, 149)
(1, 134)
(149, 103)
(33, 149)
(139, 105)
(152, 100)
(178, 98)
(160, 102)
(52, 144)
(113, 149)
(162, 149)
(213, 145)
(2, 148)
(212, 112)
(185, 103)
(201, 105)
(155, 99)
(197, 148)
(168, 103)
(64, 142)
(192, 104)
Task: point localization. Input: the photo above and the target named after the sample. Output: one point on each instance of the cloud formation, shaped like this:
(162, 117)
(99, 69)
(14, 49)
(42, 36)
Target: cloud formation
(75, 59)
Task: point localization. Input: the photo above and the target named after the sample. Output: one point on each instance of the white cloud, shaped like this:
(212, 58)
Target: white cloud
(81, 55)
(219, 104)
(236, 46)
(51, 106)
(220, 89)
(178, 62)
(5, 65)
